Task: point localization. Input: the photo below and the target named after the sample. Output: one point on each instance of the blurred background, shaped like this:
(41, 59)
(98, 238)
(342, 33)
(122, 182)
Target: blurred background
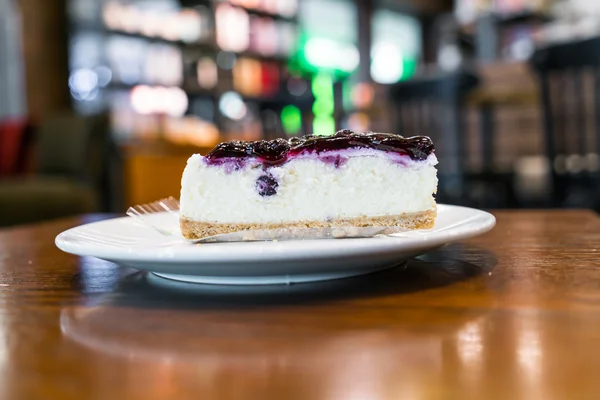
(103, 101)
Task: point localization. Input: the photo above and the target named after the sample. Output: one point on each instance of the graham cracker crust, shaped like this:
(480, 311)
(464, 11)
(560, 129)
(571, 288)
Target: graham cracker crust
(420, 220)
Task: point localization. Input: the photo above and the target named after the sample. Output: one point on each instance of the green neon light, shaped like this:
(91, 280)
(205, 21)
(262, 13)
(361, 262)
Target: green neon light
(338, 67)
(323, 107)
(409, 67)
(322, 86)
(291, 119)
(324, 125)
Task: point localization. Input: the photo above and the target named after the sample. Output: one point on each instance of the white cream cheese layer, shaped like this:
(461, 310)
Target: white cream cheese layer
(308, 190)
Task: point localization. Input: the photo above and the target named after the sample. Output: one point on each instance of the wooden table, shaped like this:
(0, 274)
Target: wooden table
(514, 314)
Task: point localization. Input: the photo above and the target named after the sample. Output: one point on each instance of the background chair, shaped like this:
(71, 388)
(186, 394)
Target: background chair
(432, 105)
(569, 80)
(15, 135)
(73, 173)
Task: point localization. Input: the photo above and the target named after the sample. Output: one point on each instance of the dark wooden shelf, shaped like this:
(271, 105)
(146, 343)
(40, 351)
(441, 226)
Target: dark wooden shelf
(265, 14)
(302, 102)
(523, 17)
(263, 57)
(506, 20)
(201, 46)
(179, 43)
(247, 53)
(251, 11)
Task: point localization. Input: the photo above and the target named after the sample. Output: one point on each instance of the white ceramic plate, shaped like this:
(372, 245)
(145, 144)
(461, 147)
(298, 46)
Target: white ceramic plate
(126, 242)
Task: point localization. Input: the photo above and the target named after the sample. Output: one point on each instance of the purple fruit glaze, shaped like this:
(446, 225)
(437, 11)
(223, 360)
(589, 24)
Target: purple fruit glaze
(335, 160)
(230, 163)
(268, 151)
(278, 151)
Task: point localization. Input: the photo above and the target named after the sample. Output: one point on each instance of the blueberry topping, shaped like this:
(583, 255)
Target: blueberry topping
(229, 150)
(272, 151)
(277, 151)
(266, 185)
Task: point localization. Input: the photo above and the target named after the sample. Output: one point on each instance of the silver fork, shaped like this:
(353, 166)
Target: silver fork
(170, 205)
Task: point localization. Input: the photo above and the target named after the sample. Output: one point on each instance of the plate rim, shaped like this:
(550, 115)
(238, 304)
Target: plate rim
(480, 223)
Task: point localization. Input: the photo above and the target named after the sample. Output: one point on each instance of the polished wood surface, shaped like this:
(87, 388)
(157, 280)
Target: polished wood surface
(513, 314)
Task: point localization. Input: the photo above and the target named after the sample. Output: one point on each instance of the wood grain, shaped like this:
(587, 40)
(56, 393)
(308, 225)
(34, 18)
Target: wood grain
(512, 314)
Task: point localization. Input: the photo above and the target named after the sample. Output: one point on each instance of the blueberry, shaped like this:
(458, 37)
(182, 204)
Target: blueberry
(277, 151)
(266, 185)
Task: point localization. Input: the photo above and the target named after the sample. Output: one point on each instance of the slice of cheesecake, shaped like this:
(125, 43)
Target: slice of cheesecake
(349, 179)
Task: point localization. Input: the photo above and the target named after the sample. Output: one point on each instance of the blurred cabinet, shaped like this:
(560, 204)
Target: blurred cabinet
(154, 172)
